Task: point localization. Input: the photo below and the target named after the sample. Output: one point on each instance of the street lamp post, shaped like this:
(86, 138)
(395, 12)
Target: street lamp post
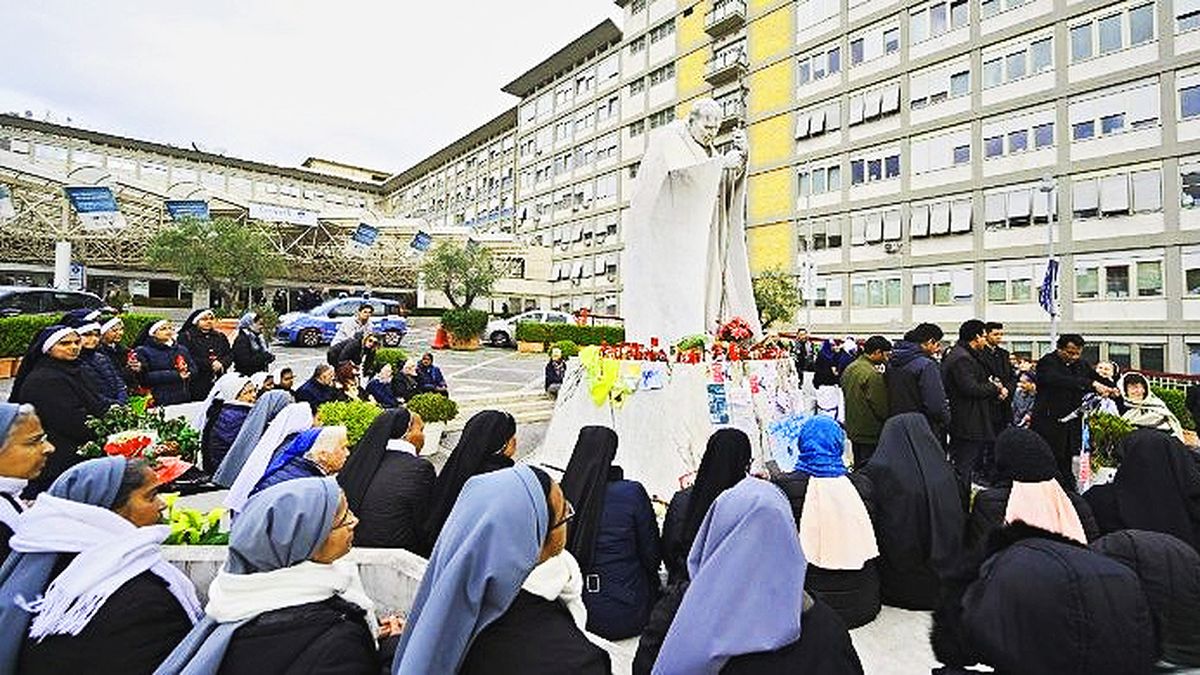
(809, 272)
(1047, 188)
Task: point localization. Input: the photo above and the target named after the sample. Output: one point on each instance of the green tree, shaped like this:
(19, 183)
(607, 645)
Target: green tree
(462, 271)
(221, 254)
(777, 295)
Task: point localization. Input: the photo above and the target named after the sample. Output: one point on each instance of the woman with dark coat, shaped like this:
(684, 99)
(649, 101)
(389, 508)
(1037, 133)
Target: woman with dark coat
(833, 517)
(614, 537)
(264, 410)
(250, 351)
(1170, 574)
(359, 350)
(112, 332)
(710, 625)
(23, 453)
(726, 461)
(487, 443)
(50, 380)
(480, 612)
(1157, 488)
(166, 365)
(831, 363)
(1043, 604)
(388, 483)
(295, 535)
(233, 398)
(919, 519)
(320, 388)
(88, 550)
(1029, 490)
(313, 453)
(104, 378)
(209, 349)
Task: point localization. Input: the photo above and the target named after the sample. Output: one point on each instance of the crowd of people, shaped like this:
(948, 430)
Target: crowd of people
(954, 500)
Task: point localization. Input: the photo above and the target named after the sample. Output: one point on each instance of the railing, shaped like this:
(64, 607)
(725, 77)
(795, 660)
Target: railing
(730, 12)
(727, 61)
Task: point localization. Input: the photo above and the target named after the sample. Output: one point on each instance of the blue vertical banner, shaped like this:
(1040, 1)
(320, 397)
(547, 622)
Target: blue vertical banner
(96, 206)
(178, 209)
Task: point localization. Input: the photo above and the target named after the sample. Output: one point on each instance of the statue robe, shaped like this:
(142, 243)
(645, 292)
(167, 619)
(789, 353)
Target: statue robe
(684, 266)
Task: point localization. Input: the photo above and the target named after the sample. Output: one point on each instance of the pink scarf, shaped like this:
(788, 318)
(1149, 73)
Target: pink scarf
(1045, 505)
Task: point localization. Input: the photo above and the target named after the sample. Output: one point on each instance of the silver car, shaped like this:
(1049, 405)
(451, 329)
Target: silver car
(503, 332)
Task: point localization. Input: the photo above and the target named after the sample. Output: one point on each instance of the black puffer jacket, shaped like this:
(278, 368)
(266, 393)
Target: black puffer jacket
(1041, 604)
(160, 374)
(914, 384)
(328, 637)
(1170, 574)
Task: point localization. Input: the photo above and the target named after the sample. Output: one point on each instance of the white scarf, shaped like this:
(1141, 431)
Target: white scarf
(401, 445)
(294, 418)
(559, 578)
(13, 488)
(111, 551)
(238, 597)
(835, 529)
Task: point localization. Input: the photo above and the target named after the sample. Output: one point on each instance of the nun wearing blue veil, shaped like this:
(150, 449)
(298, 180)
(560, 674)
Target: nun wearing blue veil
(745, 609)
(498, 582)
(86, 588)
(286, 601)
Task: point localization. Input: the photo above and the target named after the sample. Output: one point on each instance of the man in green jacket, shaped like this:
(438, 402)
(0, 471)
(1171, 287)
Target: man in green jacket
(866, 398)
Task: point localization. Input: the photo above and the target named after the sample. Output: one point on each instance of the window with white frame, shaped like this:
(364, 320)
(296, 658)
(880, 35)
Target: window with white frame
(1190, 256)
(662, 31)
(826, 234)
(1010, 282)
(608, 109)
(637, 45)
(1132, 275)
(941, 150)
(875, 165)
(990, 8)
(562, 130)
(1018, 60)
(1115, 110)
(874, 42)
(609, 68)
(636, 128)
(943, 286)
(563, 163)
(1112, 29)
(1188, 85)
(811, 12)
(939, 83)
(607, 146)
(1016, 206)
(823, 118)
(823, 177)
(1018, 134)
(875, 226)
(585, 121)
(606, 187)
(585, 82)
(1117, 194)
(1187, 15)
(828, 291)
(664, 116)
(637, 86)
(1189, 175)
(585, 154)
(939, 217)
(819, 64)
(876, 291)
(663, 74)
(936, 18)
(877, 102)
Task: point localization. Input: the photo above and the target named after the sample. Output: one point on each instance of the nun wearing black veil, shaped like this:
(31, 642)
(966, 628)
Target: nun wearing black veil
(614, 537)
(919, 519)
(487, 444)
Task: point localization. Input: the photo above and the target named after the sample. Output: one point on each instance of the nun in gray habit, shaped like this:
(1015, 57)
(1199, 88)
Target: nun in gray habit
(280, 605)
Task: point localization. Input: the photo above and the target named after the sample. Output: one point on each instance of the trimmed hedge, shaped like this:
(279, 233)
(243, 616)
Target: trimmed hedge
(433, 407)
(356, 416)
(464, 323)
(1176, 400)
(581, 335)
(390, 355)
(16, 332)
(568, 348)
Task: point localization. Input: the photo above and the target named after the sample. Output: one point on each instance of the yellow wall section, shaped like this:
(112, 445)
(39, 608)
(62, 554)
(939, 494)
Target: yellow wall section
(771, 36)
(770, 195)
(771, 88)
(689, 30)
(689, 73)
(771, 140)
(770, 246)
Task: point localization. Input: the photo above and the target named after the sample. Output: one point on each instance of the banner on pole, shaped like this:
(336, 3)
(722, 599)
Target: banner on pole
(1046, 292)
(362, 239)
(282, 214)
(7, 208)
(96, 207)
(421, 241)
(178, 209)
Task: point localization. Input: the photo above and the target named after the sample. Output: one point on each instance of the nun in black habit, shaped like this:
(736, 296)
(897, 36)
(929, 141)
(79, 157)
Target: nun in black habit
(51, 381)
(210, 350)
(614, 537)
(487, 444)
(1157, 488)
(726, 462)
(919, 517)
(388, 484)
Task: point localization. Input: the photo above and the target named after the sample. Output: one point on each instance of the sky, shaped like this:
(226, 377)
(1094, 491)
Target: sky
(377, 84)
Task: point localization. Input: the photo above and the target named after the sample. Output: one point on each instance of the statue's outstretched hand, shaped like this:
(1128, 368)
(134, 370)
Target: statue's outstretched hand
(736, 157)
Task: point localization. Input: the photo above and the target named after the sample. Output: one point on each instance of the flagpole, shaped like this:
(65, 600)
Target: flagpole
(1047, 187)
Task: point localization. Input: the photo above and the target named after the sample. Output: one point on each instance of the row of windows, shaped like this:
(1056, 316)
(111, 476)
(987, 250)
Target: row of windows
(1111, 32)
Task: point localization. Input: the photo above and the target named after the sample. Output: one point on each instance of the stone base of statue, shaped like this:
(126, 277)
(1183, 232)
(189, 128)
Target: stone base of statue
(664, 413)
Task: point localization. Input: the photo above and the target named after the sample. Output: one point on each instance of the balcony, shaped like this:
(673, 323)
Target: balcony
(732, 111)
(725, 18)
(726, 67)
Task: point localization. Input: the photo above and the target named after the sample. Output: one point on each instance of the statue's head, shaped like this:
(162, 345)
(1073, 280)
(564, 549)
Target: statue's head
(704, 121)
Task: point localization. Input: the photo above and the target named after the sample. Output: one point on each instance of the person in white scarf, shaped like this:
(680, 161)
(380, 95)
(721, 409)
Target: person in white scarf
(284, 576)
(294, 418)
(23, 453)
(1145, 409)
(86, 588)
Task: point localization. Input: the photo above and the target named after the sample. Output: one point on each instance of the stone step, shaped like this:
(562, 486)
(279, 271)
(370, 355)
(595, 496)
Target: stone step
(521, 416)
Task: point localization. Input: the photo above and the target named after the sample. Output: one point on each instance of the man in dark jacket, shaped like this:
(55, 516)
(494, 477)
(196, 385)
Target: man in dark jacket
(972, 390)
(1062, 379)
(866, 398)
(359, 350)
(999, 365)
(914, 381)
(803, 353)
(319, 388)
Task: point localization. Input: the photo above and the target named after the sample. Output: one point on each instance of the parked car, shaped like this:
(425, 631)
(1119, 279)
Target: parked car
(503, 332)
(318, 325)
(16, 300)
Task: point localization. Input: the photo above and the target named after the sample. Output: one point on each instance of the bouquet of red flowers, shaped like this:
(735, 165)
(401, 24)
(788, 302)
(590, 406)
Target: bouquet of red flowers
(144, 444)
(735, 330)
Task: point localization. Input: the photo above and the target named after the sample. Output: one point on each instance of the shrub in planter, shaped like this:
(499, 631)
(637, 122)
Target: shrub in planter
(464, 323)
(192, 526)
(568, 348)
(356, 416)
(580, 335)
(528, 331)
(16, 332)
(433, 407)
(391, 355)
(1176, 400)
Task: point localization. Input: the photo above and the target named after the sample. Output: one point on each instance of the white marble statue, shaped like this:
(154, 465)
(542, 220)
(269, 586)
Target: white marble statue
(684, 267)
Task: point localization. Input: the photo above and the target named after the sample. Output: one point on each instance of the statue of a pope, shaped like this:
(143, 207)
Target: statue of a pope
(684, 267)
